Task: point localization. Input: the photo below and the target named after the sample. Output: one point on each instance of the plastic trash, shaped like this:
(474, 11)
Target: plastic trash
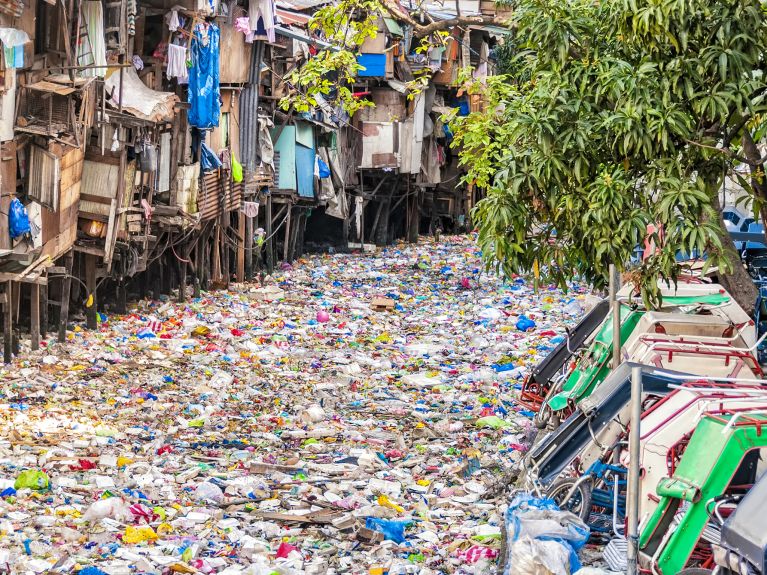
(391, 529)
(111, 508)
(32, 479)
(18, 220)
(524, 323)
(538, 557)
(140, 534)
(542, 536)
(210, 492)
(493, 422)
(207, 427)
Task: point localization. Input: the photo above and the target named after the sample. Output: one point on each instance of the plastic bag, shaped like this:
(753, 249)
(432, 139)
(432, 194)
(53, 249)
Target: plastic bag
(324, 169)
(111, 508)
(392, 530)
(208, 491)
(32, 479)
(141, 534)
(18, 220)
(536, 557)
(236, 170)
(541, 521)
(524, 323)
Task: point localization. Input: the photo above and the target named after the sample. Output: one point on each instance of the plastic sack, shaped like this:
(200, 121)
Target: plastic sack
(141, 534)
(236, 170)
(541, 520)
(324, 169)
(18, 220)
(32, 479)
(392, 530)
(111, 508)
(208, 159)
(208, 491)
(537, 557)
(524, 323)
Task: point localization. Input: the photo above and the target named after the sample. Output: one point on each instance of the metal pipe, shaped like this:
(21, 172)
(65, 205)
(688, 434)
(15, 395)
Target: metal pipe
(615, 307)
(632, 499)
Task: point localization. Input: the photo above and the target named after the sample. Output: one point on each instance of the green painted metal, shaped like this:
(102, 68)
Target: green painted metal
(671, 487)
(595, 365)
(711, 459)
(679, 300)
(592, 369)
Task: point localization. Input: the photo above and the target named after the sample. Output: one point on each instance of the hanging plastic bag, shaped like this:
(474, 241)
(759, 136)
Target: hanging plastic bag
(324, 169)
(18, 220)
(208, 159)
(236, 170)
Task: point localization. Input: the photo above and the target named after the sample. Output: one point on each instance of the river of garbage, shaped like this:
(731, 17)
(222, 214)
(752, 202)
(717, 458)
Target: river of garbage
(356, 414)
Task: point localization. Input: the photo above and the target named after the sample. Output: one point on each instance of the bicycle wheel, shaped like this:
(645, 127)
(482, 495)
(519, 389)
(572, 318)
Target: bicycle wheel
(578, 503)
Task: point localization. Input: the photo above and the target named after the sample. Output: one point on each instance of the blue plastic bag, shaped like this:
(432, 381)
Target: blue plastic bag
(391, 529)
(524, 323)
(324, 169)
(529, 517)
(18, 220)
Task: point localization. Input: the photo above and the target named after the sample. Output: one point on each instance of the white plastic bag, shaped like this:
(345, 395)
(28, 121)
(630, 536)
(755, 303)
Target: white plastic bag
(538, 557)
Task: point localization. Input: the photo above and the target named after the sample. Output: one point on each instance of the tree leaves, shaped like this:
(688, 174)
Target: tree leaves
(592, 145)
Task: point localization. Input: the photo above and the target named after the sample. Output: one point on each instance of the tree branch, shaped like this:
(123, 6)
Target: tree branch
(421, 30)
(754, 162)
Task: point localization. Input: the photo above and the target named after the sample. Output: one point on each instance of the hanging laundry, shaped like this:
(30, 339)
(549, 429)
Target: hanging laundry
(261, 15)
(173, 23)
(177, 62)
(91, 49)
(242, 24)
(250, 209)
(204, 77)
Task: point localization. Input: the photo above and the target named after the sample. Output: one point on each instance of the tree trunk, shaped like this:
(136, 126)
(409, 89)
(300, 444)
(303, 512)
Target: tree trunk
(737, 282)
(758, 183)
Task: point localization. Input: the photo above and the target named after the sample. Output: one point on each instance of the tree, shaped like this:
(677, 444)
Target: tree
(614, 115)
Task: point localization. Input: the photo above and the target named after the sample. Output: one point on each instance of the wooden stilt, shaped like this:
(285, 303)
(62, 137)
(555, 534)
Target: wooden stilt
(16, 316)
(66, 288)
(300, 235)
(248, 247)
(158, 279)
(182, 273)
(90, 284)
(241, 225)
(413, 218)
(269, 240)
(122, 307)
(286, 245)
(34, 317)
(44, 311)
(8, 323)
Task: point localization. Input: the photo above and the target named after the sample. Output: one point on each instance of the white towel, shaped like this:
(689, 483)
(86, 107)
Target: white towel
(177, 62)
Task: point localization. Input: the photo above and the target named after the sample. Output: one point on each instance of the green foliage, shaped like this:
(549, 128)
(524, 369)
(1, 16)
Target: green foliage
(612, 116)
(345, 25)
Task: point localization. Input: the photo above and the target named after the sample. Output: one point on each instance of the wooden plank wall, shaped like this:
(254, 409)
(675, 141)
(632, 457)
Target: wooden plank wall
(60, 228)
